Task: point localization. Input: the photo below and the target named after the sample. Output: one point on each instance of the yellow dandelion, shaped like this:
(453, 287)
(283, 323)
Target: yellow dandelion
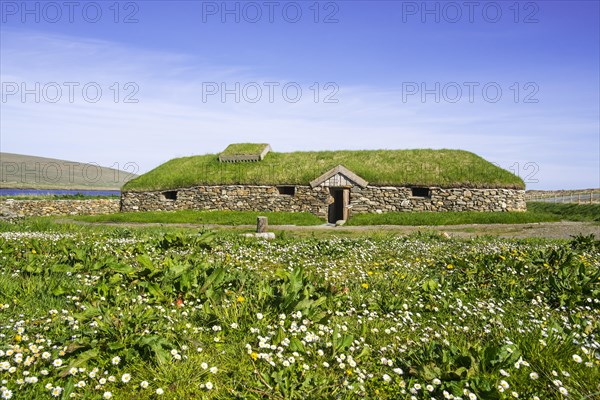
(450, 266)
(365, 285)
(241, 299)
(254, 356)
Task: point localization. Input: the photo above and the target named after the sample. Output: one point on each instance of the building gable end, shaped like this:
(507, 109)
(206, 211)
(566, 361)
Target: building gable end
(339, 176)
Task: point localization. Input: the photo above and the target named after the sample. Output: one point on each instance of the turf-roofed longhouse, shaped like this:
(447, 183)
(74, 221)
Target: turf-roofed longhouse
(330, 184)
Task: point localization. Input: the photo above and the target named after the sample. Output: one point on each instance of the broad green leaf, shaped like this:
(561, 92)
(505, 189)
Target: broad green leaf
(296, 345)
(81, 361)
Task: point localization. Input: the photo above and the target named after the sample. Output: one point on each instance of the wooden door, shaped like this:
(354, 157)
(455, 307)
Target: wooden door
(338, 206)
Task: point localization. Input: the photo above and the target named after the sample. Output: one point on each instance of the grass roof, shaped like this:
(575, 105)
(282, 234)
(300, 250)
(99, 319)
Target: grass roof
(424, 167)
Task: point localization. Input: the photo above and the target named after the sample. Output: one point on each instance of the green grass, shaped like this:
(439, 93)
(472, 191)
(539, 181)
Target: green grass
(537, 212)
(569, 212)
(206, 217)
(244, 149)
(450, 218)
(103, 311)
(424, 167)
(307, 219)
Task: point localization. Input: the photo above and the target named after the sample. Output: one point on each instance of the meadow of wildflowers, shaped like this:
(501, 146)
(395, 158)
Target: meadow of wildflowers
(111, 314)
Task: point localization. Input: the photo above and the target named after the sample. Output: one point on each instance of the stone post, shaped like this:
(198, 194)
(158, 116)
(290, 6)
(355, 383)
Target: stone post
(261, 224)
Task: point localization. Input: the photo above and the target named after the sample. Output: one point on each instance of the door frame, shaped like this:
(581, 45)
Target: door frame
(339, 201)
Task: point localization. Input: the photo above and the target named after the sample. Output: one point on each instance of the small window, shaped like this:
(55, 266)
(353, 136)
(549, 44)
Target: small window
(287, 190)
(420, 192)
(170, 195)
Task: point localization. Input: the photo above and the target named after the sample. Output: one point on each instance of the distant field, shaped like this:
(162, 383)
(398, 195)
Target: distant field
(29, 172)
(570, 212)
(581, 196)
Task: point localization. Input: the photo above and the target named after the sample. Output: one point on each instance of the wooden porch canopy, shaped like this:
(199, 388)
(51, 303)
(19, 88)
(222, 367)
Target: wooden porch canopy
(339, 176)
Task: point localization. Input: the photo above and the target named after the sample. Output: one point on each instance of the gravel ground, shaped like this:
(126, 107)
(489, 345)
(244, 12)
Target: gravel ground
(553, 230)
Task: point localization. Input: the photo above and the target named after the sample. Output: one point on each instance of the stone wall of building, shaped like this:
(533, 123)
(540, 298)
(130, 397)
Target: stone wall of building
(371, 199)
(387, 198)
(229, 197)
(40, 208)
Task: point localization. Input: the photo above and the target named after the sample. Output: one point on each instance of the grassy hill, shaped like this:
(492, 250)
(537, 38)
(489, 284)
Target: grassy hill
(423, 167)
(18, 171)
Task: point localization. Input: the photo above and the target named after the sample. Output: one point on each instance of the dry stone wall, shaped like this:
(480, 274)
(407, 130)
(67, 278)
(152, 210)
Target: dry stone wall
(385, 199)
(229, 197)
(371, 199)
(40, 208)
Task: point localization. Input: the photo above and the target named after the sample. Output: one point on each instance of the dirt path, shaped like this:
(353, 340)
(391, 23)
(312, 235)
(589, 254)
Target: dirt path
(554, 230)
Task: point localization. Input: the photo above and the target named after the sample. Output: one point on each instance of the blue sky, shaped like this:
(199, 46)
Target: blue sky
(143, 82)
